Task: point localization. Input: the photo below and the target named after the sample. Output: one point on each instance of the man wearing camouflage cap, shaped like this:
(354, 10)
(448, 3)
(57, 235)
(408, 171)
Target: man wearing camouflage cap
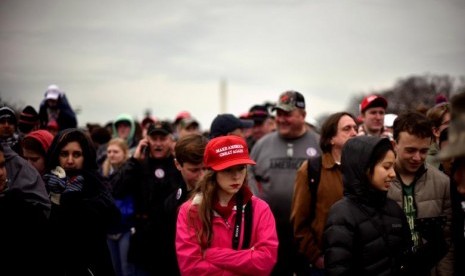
(278, 155)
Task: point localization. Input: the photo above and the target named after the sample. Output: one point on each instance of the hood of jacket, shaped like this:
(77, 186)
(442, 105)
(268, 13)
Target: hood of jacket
(127, 118)
(355, 161)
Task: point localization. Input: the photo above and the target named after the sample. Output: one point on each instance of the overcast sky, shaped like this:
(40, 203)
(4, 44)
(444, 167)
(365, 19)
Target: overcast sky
(113, 57)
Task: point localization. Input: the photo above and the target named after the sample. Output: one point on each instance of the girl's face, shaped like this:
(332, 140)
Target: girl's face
(71, 158)
(35, 159)
(384, 173)
(115, 154)
(230, 180)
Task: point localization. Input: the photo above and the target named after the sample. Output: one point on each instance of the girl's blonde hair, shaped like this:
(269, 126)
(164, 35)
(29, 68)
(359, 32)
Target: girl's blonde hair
(123, 145)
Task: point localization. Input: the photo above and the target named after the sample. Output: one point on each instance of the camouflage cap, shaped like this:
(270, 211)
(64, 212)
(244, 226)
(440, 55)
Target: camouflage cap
(290, 100)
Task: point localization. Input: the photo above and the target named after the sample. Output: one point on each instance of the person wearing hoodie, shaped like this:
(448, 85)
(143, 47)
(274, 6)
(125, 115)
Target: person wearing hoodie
(366, 233)
(26, 180)
(125, 127)
(55, 110)
(24, 213)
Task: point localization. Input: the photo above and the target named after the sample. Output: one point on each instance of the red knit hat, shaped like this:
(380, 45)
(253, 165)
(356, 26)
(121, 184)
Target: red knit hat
(226, 151)
(43, 136)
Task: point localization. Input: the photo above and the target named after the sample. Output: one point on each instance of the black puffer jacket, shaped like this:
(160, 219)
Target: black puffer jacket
(366, 233)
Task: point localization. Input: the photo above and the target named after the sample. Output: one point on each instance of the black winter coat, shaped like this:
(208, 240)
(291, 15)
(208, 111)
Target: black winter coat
(151, 184)
(366, 233)
(78, 230)
(66, 117)
(23, 236)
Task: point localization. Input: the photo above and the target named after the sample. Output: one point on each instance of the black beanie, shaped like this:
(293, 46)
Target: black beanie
(28, 119)
(8, 113)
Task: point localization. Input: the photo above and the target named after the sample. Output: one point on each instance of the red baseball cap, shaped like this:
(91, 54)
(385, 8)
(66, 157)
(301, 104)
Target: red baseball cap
(226, 151)
(182, 115)
(373, 101)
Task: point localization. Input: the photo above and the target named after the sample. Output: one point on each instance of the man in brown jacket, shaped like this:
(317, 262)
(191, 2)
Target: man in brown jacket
(309, 224)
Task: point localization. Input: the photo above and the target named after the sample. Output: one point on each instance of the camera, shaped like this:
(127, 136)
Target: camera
(430, 223)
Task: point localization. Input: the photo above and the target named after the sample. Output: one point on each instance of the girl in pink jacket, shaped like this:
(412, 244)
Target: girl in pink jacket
(223, 229)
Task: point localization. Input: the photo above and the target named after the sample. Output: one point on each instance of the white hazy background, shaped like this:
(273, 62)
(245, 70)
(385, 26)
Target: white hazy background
(113, 56)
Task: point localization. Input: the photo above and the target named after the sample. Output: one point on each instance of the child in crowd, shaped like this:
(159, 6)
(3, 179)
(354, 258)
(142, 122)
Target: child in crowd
(223, 228)
(120, 235)
(34, 148)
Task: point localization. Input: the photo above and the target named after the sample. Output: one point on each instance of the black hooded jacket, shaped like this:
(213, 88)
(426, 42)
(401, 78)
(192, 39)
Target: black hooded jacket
(66, 115)
(366, 233)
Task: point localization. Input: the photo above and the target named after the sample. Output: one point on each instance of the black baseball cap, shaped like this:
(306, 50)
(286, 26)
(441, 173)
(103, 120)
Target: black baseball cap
(258, 113)
(226, 123)
(163, 128)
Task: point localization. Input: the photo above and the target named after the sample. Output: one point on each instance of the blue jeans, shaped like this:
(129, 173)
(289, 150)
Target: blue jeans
(317, 272)
(119, 254)
(310, 271)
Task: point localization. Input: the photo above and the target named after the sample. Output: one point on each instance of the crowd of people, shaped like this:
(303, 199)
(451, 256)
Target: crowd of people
(263, 193)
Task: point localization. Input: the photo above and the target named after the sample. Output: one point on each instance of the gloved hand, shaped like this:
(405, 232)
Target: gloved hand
(75, 184)
(54, 183)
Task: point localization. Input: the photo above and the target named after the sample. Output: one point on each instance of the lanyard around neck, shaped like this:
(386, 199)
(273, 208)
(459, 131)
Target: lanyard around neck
(237, 226)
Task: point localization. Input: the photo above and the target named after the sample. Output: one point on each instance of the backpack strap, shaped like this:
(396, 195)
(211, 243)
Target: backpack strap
(313, 172)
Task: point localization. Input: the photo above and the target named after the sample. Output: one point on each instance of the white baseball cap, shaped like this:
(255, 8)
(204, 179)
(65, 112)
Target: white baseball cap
(52, 92)
(389, 119)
